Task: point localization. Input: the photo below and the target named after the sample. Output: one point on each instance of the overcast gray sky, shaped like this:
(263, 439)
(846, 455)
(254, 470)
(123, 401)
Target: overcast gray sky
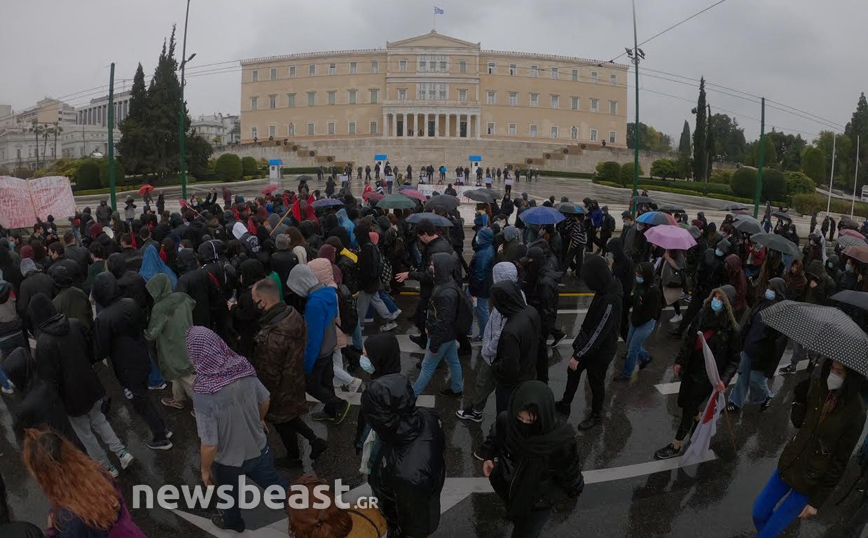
(803, 53)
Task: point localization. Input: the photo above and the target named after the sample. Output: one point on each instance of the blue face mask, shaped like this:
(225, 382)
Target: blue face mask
(718, 252)
(366, 365)
(716, 304)
(640, 280)
(770, 295)
(849, 268)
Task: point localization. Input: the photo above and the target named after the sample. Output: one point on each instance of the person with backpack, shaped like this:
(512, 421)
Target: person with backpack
(369, 269)
(607, 228)
(443, 325)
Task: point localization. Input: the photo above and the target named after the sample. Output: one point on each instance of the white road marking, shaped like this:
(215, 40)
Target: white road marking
(673, 388)
(455, 490)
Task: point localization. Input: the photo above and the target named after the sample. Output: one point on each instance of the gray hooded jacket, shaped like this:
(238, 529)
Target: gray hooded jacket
(502, 271)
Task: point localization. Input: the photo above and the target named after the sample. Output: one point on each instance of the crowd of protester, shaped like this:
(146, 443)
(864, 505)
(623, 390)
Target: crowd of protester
(247, 306)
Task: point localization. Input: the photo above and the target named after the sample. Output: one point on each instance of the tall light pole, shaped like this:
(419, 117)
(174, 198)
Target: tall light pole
(111, 138)
(182, 109)
(635, 55)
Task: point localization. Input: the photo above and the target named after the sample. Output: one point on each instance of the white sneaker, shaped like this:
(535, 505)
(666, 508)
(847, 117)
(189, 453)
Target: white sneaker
(369, 320)
(396, 313)
(388, 326)
(113, 471)
(355, 385)
(675, 319)
(10, 390)
(126, 459)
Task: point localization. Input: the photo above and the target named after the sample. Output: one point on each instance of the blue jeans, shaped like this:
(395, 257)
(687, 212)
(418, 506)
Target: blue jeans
(769, 522)
(387, 300)
(447, 351)
(636, 336)
(357, 335)
(259, 470)
(155, 378)
(482, 314)
(752, 380)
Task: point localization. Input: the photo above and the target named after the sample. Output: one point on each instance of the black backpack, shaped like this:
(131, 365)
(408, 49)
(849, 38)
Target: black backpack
(348, 268)
(464, 315)
(347, 310)
(609, 223)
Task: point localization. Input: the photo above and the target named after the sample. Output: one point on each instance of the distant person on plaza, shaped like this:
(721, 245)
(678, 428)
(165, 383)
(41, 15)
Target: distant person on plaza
(829, 413)
(597, 341)
(532, 459)
(409, 471)
(231, 405)
(83, 498)
(717, 322)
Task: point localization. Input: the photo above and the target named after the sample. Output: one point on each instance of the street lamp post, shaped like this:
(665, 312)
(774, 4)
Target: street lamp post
(635, 55)
(182, 129)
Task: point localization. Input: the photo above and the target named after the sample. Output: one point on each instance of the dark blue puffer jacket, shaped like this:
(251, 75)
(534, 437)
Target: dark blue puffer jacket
(482, 264)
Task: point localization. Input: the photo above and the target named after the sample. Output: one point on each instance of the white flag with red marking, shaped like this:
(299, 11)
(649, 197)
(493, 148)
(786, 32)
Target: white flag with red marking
(707, 427)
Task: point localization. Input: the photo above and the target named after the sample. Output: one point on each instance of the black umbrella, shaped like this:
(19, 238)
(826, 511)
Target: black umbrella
(735, 207)
(436, 220)
(746, 224)
(825, 330)
(569, 208)
(304, 178)
(485, 196)
(856, 298)
(642, 200)
(846, 223)
(782, 215)
(442, 200)
(778, 243)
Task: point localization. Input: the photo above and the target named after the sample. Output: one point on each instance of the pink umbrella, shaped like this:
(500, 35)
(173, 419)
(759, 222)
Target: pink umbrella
(372, 195)
(413, 193)
(670, 237)
(269, 190)
(852, 233)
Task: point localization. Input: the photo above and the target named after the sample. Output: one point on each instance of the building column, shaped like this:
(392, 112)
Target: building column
(395, 125)
(478, 126)
(383, 124)
(437, 125)
(419, 123)
(404, 121)
(448, 134)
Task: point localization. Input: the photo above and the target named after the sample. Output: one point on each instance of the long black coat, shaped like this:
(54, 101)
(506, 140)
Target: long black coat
(34, 282)
(598, 337)
(119, 332)
(64, 356)
(518, 344)
(409, 470)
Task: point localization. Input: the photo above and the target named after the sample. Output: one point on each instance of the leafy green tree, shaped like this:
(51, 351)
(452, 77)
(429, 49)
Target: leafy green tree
(627, 173)
(799, 183)
(743, 182)
(844, 154)
(857, 129)
(770, 159)
(228, 167)
(87, 175)
(665, 169)
(135, 150)
(788, 149)
(249, 166)
(164, 96)
(814, 164)
(700, 134)
(774, 185)
(198, 155)
(729, 143)
(650, 139)
(609, 171)
(104, 180)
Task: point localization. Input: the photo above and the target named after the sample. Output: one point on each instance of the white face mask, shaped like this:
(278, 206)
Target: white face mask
(834, 381)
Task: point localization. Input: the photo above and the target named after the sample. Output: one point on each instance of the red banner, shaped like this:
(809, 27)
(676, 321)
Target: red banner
(21, 201)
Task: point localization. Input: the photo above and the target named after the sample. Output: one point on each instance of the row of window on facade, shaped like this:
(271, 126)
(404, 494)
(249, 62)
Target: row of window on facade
(435, 92)
(99, 115)
(512, 130)
(440, 64)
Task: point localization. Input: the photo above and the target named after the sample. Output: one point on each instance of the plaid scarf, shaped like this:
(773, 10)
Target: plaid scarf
(216, 365)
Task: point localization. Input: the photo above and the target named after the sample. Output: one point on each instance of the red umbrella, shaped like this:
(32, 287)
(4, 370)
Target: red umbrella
(145, 189)
(182, 202)
(269, 190)
(413, 193)
(852, 233)
(372, 195)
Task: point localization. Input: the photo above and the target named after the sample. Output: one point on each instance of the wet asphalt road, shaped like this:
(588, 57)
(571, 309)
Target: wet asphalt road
(712, 499)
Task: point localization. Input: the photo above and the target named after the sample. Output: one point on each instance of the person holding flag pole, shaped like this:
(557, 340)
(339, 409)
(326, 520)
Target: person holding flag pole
(715, 329)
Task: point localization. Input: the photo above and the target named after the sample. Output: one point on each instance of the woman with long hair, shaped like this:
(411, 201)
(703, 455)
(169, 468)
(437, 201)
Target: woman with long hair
(297, 244)
(331, 521)
(84, 501)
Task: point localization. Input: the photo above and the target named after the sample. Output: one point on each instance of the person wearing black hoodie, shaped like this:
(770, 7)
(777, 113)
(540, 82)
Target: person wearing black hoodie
(34, 281)
(597, 341)
(518, 344)
(64, 356)
(646, 309)
(39, 405)
(532, 459)
(409, 469)
(762, 350)
(196, 281)
(710, 275)
(539, 281)
(119, 335)
(623, 269)
(130, 284)
(381, 355)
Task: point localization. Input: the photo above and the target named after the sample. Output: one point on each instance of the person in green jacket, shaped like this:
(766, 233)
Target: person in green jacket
(171, 316)
(829, 414)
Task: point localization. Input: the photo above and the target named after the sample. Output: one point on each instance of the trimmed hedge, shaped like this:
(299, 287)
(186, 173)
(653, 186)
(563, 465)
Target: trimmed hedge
(808, 204)
(574, 175)
(673, 187)
(228, 167)
(249, 166)
(300, 170)
(107, 190)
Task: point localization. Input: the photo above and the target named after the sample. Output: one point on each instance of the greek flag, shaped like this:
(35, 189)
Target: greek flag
(438, 11)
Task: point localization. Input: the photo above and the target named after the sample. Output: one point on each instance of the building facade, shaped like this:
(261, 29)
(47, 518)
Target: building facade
(96, 112)
(217, 129)
(434, 86)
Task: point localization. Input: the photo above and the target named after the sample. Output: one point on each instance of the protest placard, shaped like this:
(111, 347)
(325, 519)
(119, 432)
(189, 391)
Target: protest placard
(23, 201)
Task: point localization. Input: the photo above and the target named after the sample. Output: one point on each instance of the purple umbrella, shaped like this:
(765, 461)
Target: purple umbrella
(670, 237)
